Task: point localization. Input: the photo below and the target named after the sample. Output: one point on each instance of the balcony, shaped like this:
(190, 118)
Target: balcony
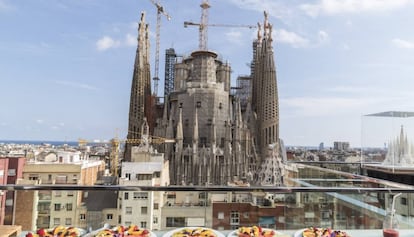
(313, 196)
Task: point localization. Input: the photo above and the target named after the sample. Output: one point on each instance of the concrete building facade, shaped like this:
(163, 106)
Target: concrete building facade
(147, 168)
(51, 208)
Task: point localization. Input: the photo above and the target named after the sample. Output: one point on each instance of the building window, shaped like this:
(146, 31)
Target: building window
(57, 206)
(11, 172)
(157, 174)
(155, 220)
(126, 195)
(128, 223)
(143, 224)
(128, 176)
(82, 216)
(156, 205)
(68, 206)
(404, 201)
(144, 176)
(128, 210)
(61, 179)
(9, 202)
(70, 193)
(58, 193)
(33, 177)
(202, 195)
(144, 210)
(234, 218)
(170, 195)
(140, 195)
(68, 221)
(220, 216)
(56, 221)
(109, 216)
(175, 221)
(198, 104)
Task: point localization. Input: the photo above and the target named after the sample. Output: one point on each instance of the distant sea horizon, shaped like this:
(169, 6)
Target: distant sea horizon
(39, 142)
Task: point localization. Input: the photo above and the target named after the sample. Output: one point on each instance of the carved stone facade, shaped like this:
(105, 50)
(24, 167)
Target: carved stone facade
(140, 106)
(218, 138)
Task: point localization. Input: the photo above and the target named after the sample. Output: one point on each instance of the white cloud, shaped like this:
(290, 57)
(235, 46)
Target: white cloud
(346, 47)
(332, 7)
(39, 121)
(131, 40)
(400, 43)
(107, 42)
(77, 85)
(323, 36)
(277, 9)
(291, 38)
(235, 37)
(5, 6)
(324, 106)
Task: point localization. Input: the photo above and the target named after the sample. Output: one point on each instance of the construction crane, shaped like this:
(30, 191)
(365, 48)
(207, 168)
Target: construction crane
(160, 10)
(202, 26)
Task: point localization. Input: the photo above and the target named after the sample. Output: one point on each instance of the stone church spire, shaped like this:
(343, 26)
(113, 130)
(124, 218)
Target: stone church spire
(266, 93)
(139, 107)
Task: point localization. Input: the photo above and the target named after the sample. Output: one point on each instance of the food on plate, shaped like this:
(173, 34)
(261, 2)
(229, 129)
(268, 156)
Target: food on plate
(255, 231)
(58, 231)
(122, 231)
(134, 230)
(194, 232)
(323, 232)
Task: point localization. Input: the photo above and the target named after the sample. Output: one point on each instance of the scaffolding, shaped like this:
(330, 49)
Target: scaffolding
(170, 58)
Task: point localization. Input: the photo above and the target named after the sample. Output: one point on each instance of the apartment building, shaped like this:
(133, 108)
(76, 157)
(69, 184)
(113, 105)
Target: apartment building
(143, 208)
(186, 209)
(46, 208)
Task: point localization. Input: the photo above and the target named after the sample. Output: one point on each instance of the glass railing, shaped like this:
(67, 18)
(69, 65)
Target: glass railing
(312, 197)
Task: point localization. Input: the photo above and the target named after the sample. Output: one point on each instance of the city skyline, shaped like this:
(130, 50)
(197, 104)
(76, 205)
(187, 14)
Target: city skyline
(66, 67)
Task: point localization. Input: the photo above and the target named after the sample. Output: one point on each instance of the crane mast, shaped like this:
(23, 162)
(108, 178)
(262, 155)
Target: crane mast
(203, 25)
(203, 37)
(160, 10)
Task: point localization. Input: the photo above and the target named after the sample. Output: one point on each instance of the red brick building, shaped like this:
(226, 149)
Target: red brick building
(10, 170)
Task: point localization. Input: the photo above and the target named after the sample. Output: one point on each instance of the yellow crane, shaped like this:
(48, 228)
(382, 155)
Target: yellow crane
(202, 26)
(160, 10)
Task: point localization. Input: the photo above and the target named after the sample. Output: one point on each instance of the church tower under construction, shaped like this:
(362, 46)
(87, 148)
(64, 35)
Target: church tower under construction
(219, 137)
(140, 107)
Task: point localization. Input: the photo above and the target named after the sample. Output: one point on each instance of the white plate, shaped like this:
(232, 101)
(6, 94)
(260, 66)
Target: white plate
(171, 232)
(80, 231)
(95, 232)
(234, 233)
(299, 233)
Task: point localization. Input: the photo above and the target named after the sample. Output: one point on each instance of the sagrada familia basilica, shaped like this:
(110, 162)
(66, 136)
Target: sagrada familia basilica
(221, 135)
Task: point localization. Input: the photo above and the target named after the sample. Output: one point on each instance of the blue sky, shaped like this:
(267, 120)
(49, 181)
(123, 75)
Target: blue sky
(66, 66)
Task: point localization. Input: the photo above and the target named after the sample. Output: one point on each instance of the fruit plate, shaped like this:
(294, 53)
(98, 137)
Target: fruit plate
(50, 232)
(299, 233)
(179, 230)
(114, 229)
(235, 233)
